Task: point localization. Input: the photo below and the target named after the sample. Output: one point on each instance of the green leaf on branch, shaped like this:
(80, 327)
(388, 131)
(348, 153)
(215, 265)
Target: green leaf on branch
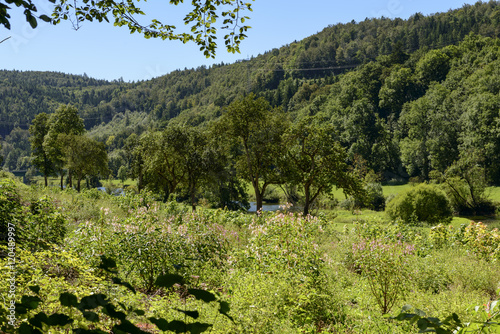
(58, 319)
(168, 280)
(34, 288)
(90, 316)
(30, 302)
(192, 314)
(45, 18)
(68, 299)
(203, 295)
(174, 326)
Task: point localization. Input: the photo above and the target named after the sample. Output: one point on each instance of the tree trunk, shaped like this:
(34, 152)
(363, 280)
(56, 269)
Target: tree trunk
(193, 200)
(258, 199)
(70, 179)
(307, 203)
(139, 182)
(78, 181)
(46, 181)
(167, 193)
(62, 180)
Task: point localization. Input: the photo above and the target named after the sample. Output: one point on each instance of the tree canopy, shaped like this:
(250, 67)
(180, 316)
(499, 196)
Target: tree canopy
(317, 162)
(201, 18)
(256, 130)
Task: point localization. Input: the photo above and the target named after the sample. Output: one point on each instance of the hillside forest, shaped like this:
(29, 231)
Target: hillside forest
(330, 125)
(405, 98)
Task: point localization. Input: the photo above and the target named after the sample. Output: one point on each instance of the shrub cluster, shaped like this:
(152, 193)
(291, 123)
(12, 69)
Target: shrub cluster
(423, 203)
(38, 224)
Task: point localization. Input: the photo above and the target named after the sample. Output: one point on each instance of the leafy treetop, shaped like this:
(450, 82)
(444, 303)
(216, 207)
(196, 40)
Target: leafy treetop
(202, 18)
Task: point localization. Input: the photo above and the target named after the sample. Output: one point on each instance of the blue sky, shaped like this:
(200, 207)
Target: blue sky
(106, 52)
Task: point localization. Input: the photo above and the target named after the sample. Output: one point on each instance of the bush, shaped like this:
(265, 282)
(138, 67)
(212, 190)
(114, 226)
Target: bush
(374, 197)
(423, 203)
(147, 245)
(385, 265)
(45, 224)
(280, 274)
(468, 198)
(10, 208)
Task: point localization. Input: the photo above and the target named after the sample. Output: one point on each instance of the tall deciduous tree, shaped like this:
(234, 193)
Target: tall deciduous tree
(317, 162)
(257, 131)
(429, 130)
(64, 121)
(84, 157)
(198, 158)
(190, 146)
(162, 171)
(134, 157)
(178, 156)
(40, 159)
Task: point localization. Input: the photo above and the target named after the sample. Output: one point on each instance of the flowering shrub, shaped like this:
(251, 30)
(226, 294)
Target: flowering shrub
(481, 241)
(440, 235)
(147, 245)
(386, 266)
(283, 263)
(45, 224)
(285, 239)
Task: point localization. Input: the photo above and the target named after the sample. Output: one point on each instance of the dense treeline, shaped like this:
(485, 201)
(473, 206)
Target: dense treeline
(422, 113)
(414, 98)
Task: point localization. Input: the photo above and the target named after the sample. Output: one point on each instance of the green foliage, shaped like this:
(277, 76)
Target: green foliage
(84, 157)
(122, 173)
(432, 67)
(255, 132)
(419, 112)
(386, 267)
(423, 203)
(38, 130)
(38, 226)
(179, 157)
(98, 311)
(11, 211)
(280, 272)
(465, 184)
(490, 315)
(317, 162)
(146, 244)
(229, 192)
(64, 123)
(201, 19)
(44, 225)
(373, 197)
(482, 241)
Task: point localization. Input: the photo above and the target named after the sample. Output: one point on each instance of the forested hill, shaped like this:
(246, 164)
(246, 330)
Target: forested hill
(389, 63)
(26, 94)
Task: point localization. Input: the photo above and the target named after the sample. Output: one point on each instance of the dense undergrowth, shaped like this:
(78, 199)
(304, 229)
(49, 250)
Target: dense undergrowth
(231, 272)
